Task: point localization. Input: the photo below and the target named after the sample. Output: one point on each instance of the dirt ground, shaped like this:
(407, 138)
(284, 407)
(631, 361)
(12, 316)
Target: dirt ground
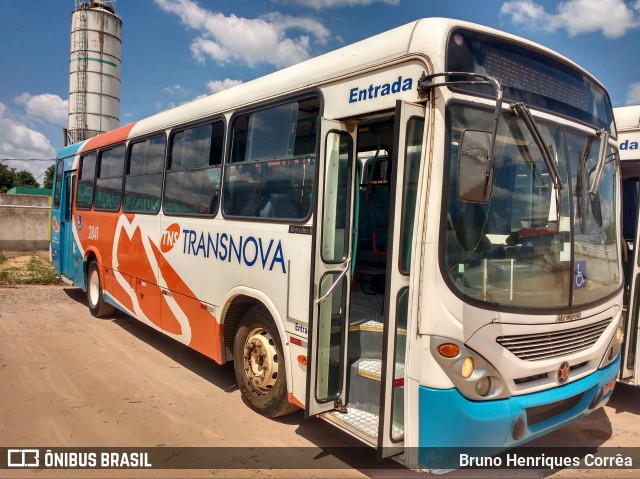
(70, 380)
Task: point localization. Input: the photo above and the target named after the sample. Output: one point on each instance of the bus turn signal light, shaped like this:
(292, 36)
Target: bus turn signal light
(448, 350)
(302, 360)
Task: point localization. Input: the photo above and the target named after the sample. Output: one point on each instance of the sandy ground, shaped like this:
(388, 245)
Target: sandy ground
(70, 380)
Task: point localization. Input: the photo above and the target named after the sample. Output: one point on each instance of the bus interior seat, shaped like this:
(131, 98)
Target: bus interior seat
(373, 218)
(244, 199)
(278, 205)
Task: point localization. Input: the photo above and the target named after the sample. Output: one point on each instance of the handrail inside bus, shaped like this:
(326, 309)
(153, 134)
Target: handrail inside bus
(335, 283)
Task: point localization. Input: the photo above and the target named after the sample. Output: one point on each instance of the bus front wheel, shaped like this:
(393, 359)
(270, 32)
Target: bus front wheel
(260, 365)
(95, 296)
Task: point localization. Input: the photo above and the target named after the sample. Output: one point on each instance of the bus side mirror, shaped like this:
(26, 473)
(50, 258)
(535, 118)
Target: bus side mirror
(475, 166)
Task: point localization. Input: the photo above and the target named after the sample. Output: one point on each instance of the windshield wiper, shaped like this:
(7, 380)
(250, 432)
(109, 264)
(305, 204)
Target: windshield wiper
(523, 111)
(602, 156)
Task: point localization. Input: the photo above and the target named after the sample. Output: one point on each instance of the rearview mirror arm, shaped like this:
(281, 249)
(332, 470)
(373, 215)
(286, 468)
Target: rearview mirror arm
(425, 83)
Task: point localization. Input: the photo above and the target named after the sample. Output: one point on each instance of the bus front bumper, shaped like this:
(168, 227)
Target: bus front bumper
(447, 419)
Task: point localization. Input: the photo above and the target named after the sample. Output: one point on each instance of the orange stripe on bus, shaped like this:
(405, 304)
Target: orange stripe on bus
(293, 400)
(206, 333)
(111, 137)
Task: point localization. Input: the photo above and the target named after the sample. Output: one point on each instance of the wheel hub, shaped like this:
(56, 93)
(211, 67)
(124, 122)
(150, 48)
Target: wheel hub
(94, 287)
(261, 361)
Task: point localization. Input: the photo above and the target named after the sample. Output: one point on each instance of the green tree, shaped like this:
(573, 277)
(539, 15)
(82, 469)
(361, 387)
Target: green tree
(48, 177)
(7, 178)
(25, 178)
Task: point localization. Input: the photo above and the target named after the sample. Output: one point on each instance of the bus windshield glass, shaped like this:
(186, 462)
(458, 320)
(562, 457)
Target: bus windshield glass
(527, 246)
(528, 76)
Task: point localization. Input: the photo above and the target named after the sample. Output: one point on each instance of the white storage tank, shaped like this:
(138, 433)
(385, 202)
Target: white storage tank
(94, 74)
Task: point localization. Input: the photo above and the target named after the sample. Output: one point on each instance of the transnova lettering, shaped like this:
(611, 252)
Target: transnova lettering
(246, 250)
(374, 91)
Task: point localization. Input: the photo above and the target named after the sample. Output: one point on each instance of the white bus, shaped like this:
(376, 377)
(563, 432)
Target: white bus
(463, 289)
(628, 126)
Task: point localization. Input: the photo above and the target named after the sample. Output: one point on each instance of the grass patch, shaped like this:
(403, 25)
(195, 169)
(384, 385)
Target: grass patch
(26, 270)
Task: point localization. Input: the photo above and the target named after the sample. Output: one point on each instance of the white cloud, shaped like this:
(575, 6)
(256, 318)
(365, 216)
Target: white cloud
(612, 17)
(633, 95)
(18, 141)
(48, 107)
(216, 86)
(252, 41)
(320, 4)
(176, 90)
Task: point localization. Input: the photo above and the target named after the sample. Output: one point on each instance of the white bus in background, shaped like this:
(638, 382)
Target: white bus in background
(628, 126)
(464, 289)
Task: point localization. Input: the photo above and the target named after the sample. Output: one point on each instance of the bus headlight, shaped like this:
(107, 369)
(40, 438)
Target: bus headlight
(473, 376)
(619, 333)
(467, 368)
(613, 351)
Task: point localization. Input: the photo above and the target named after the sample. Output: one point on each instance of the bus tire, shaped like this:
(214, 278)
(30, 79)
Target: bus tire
(259, 365)
(95, 296)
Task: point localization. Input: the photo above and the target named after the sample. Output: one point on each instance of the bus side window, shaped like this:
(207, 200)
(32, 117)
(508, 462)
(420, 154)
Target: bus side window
(272, 162)
(193, 170)
(143, 182)
(68, 194)
(109, 179)
(86, 181)
(57, 191)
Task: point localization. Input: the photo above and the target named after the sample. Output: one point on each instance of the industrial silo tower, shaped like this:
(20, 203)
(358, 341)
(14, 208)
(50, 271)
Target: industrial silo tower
(94, 74)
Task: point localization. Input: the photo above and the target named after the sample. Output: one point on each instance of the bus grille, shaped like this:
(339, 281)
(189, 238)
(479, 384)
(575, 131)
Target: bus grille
(534, 347)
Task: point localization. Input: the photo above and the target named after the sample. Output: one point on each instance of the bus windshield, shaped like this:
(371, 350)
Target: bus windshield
(528, 246)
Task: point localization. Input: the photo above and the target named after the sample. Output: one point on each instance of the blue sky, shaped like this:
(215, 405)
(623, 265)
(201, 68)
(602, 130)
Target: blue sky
(176, 50)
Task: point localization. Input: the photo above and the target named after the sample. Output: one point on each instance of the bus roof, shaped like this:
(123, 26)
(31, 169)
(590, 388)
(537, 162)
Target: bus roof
(401, 42)
(70, 150)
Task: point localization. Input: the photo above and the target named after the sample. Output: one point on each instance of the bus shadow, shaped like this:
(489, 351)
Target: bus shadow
(76, 294)
(221, 376)
(625, 399)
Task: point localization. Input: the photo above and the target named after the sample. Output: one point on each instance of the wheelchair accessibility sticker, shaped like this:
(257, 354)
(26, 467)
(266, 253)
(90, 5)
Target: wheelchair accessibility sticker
(580, 274)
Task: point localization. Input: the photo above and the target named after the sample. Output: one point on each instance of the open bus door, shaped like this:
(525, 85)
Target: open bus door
(409, 137)
(62, 221)
(66, 225)
(631, 232)
(341, 356)
(332, 276)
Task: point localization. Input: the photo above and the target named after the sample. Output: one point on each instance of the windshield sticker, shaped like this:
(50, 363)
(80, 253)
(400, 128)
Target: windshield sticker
(580, 274)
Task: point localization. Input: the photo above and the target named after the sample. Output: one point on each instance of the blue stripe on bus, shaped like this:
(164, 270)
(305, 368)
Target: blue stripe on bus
(70, 150)
(447, 419)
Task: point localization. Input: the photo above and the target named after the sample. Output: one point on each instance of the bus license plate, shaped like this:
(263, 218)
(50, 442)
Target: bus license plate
(608, 387)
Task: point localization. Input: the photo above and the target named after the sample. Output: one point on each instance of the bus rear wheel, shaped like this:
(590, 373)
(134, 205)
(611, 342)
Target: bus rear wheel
(95, 296)
(260, 365)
